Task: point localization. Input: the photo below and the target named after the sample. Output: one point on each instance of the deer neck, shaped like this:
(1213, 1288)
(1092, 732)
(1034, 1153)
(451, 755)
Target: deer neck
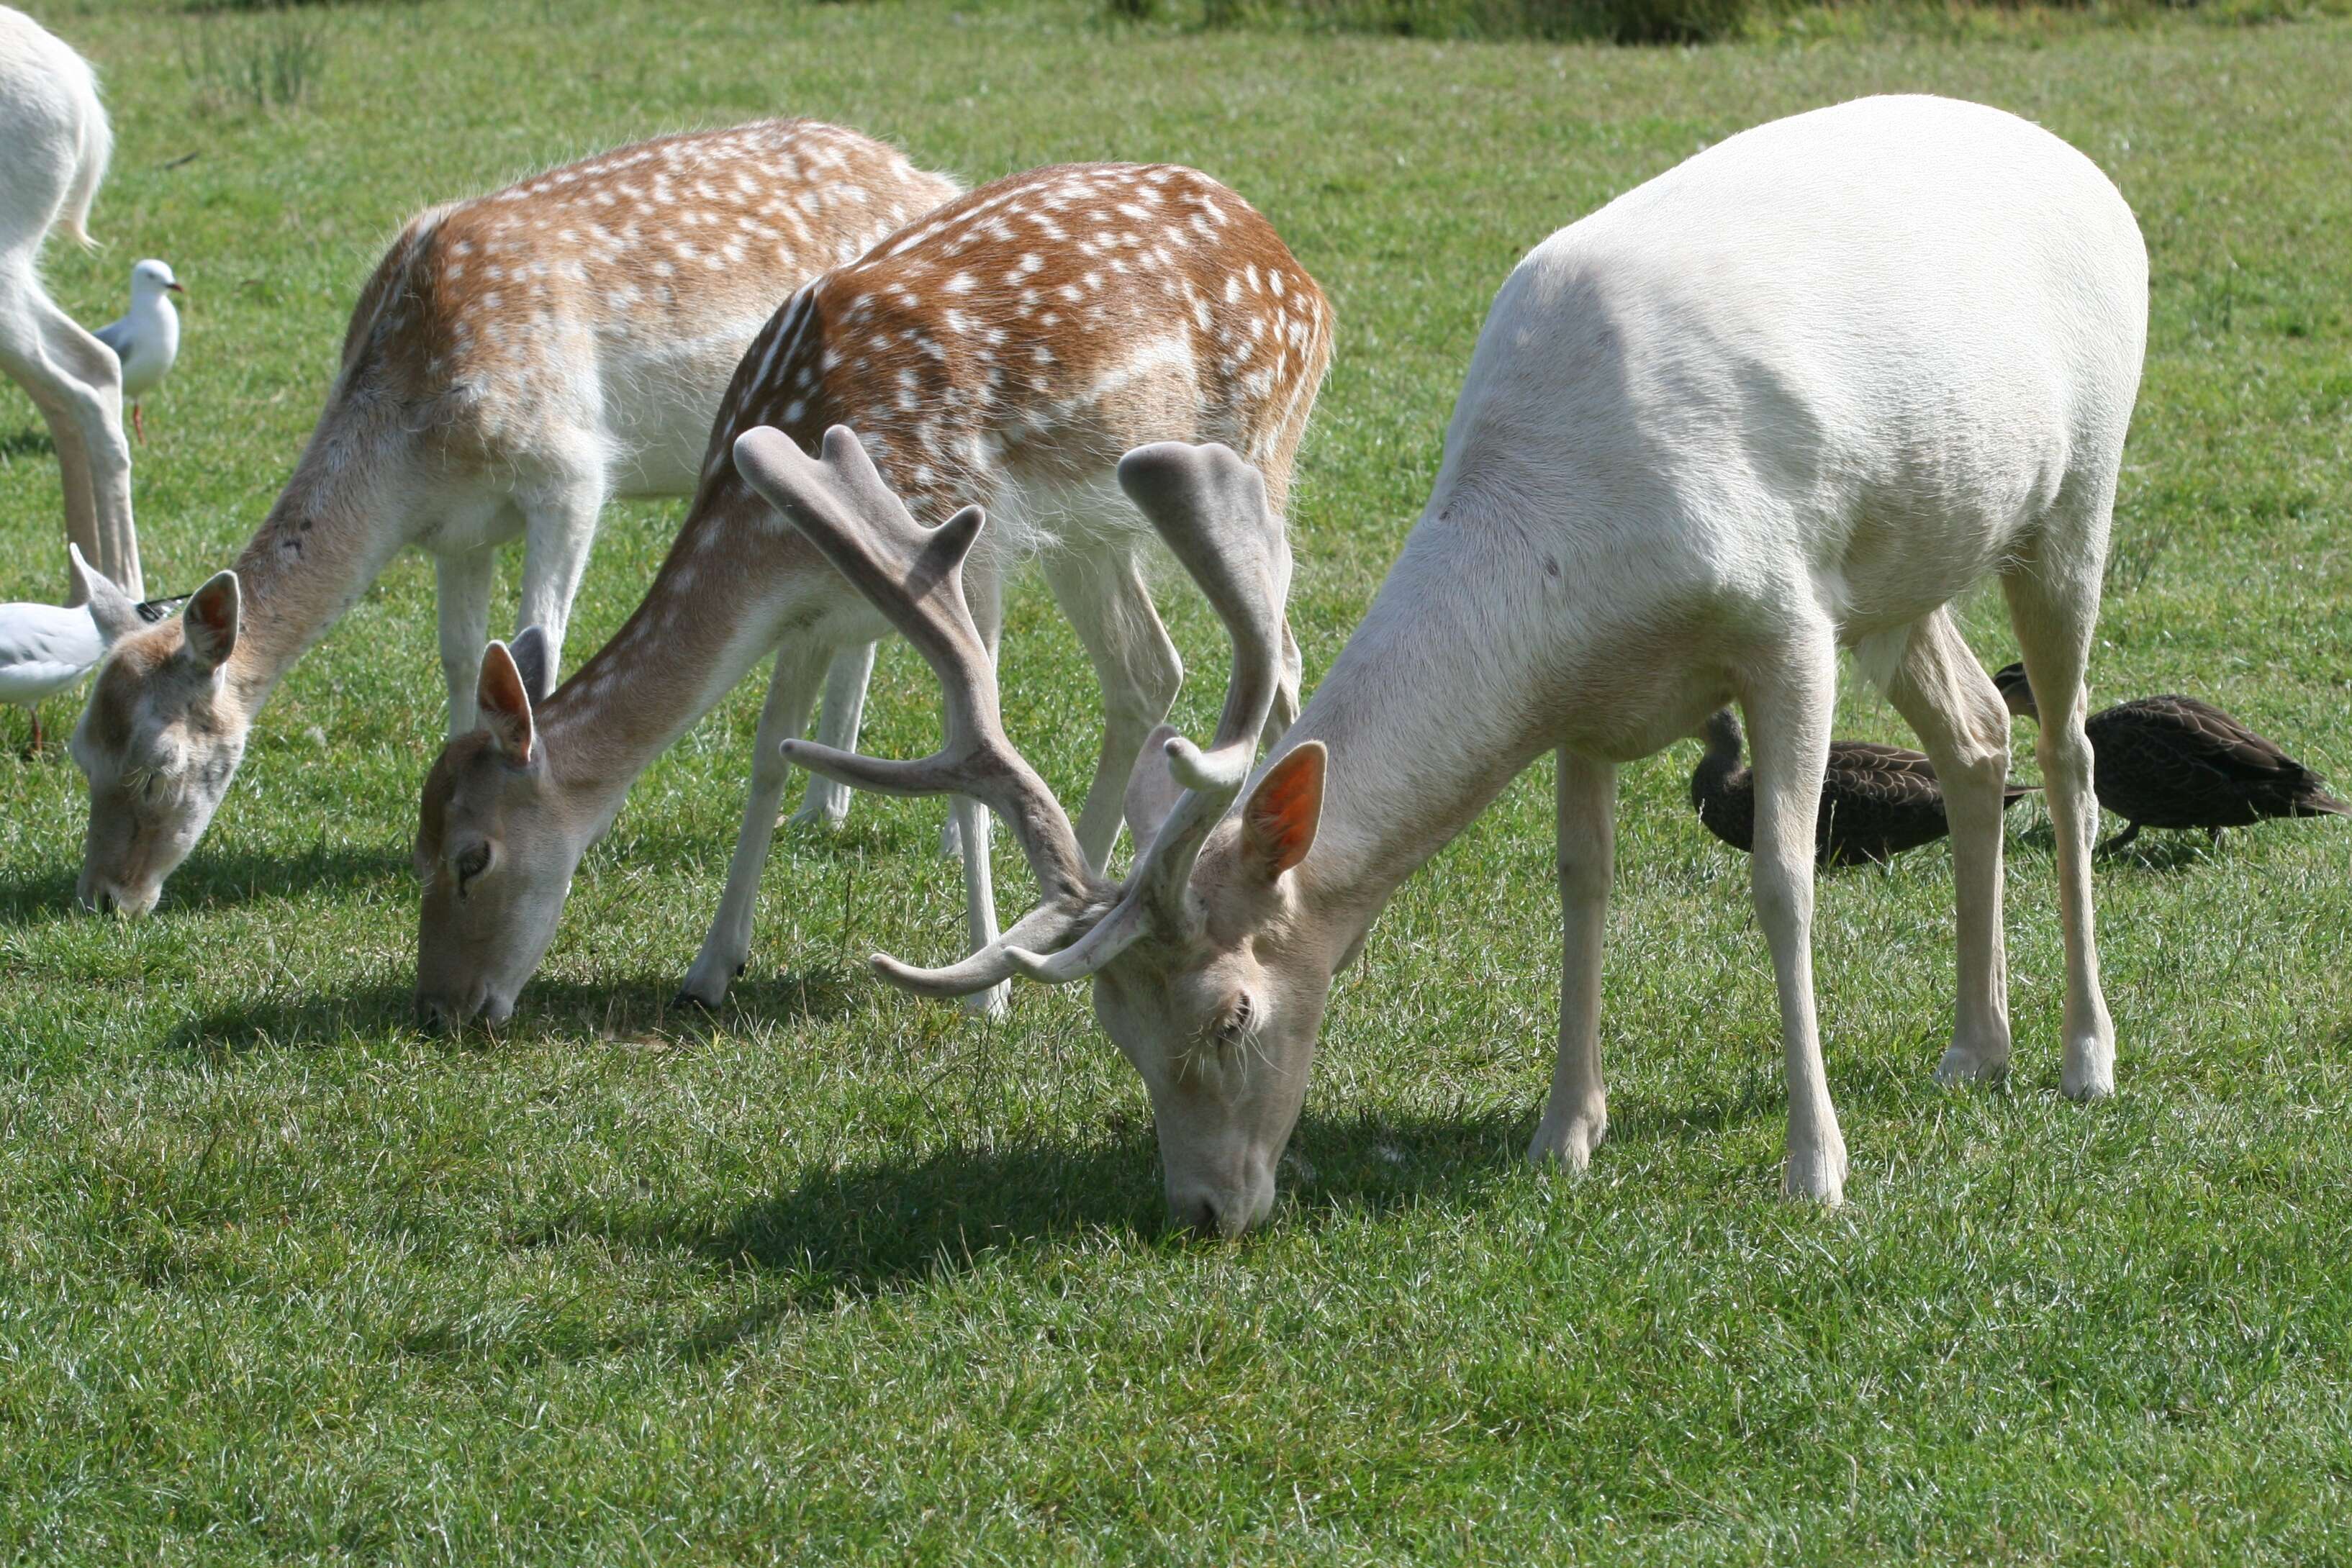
(346, 512)
(737, 581)
(1434, 705)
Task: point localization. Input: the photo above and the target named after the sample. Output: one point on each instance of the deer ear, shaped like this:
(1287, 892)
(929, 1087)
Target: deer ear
(505, 704)
(1151, 788)
(108, 605)
(209, 621)
(531, 656)
(1279, 821)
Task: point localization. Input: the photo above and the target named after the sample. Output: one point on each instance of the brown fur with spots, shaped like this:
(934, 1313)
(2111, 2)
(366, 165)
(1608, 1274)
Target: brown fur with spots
(514, 360)
(1006, 349)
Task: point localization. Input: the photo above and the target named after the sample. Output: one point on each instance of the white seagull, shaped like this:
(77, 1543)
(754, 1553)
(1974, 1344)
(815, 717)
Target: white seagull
(148, 339)
(46, 649)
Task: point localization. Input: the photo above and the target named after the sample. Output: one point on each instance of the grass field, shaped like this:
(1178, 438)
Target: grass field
(834, 1275)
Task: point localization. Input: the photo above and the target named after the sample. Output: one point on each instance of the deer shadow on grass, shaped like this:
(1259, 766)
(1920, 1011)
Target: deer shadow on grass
(629, 1010)
(874, 1228)
(217, 880)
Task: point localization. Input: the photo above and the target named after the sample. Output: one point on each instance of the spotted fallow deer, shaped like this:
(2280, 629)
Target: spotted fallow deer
(515, 361)
(58, 142)
(1798, 392)
(1010, 346)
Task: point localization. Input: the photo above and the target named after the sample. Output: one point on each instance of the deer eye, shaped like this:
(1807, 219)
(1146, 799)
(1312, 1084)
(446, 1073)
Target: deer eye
(471, 864)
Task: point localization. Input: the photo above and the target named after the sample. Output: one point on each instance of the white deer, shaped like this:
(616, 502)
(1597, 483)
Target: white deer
(57, 141)
(516, 360)
(1011, 345)
(1796, 393)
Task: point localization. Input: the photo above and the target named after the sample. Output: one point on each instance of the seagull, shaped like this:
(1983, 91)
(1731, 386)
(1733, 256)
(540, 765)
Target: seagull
(148, 339)
(46, 649)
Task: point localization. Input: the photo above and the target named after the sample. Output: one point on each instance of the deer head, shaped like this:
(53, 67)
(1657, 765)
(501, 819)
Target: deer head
(1204, 974)
(159, 741)
(496, 847)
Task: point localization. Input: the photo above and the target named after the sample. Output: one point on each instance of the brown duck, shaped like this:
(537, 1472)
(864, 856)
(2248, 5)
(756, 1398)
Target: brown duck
(1876, 800)
(2171, 761)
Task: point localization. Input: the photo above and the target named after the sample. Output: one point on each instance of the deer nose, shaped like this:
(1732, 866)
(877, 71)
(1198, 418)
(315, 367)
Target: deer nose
(1211, 1213)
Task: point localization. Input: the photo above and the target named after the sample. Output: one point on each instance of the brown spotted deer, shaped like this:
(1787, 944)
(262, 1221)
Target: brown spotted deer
(516, 360)
(1796, 393)
(1009, 346)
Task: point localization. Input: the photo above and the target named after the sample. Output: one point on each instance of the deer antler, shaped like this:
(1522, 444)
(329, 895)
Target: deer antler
(1210, 506)
(914, 575)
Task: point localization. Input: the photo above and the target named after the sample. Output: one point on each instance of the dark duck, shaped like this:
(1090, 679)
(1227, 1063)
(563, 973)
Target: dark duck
(2171, 761)
(1876, 800)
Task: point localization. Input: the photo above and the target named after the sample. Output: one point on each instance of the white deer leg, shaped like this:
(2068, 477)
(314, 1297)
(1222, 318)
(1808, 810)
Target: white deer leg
(464, 590)
(1576, 1118)
(2052, 604)
(1788, 711)
(826, 802)
(791, 689)
(77, 383)
(984, 591)
(559, 529)
(1137, 665)
(1945, 695)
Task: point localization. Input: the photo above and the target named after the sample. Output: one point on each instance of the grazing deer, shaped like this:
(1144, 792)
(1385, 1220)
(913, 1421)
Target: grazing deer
(57, 141)
(516, 361)
(1796, 393)
(1011, 345)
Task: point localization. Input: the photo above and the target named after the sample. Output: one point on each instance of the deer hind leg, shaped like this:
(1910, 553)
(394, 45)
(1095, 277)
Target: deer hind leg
(1790, 701)
(77, 383)
(463, 589)
(826, 802)
(1576, 1118)
(1104, 596)
(1946, 696)
(2054, 606)
(559, 529)
(792, 690)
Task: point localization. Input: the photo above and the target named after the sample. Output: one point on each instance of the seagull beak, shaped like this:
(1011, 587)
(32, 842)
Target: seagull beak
(175, 287)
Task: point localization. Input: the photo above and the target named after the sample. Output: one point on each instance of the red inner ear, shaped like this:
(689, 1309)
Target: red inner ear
(1284, 809)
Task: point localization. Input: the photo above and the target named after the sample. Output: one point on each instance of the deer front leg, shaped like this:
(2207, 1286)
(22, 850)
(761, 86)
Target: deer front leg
(791, 689)
(559, 530)
(464, 584)
(1576, 1118)
(826, 802)
(77, 382)
(1137, 667)
(1789, 709)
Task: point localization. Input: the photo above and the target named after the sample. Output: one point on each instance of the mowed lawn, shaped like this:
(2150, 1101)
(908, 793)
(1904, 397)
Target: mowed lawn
(835, 1274)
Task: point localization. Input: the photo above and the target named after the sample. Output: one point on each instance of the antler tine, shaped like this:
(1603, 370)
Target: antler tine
(1210, 506)
(914, 575)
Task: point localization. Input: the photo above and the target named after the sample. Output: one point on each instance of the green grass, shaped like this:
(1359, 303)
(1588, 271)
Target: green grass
(838, 1275)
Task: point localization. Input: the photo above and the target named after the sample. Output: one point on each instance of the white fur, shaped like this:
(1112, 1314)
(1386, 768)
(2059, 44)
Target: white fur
(57, 141)
(1796, 393)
